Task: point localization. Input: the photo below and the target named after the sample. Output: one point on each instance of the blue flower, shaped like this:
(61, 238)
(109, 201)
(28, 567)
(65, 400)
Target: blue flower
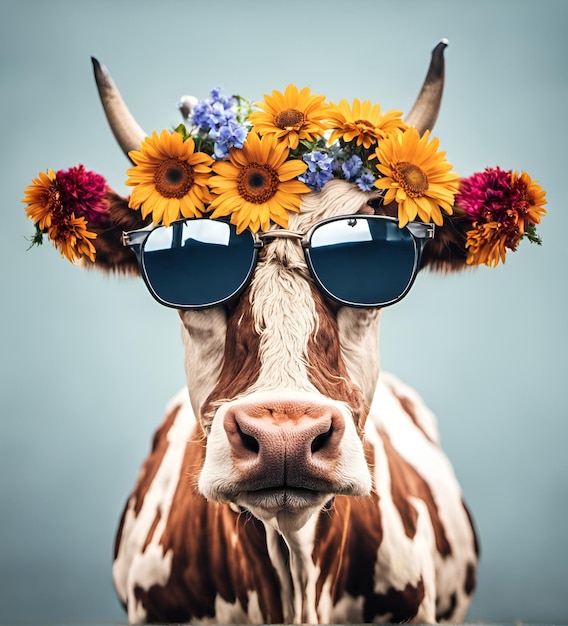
(213, 113)
(315, 180)
(320, 169)
(351, 167)
(231, 135)
(365, 181)
(318, 161)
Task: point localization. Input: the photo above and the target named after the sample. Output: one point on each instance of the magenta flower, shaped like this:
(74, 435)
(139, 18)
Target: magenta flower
(487, 196)
(503, 208)
(83, 194)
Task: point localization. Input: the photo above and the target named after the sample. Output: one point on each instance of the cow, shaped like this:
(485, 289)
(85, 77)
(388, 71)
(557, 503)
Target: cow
(291, 481)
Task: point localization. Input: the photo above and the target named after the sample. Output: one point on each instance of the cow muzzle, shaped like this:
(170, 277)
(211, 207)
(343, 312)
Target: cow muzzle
(274, 454)
(293, 444)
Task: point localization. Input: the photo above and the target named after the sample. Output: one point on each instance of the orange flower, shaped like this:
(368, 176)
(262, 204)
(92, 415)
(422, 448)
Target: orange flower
(42, 198)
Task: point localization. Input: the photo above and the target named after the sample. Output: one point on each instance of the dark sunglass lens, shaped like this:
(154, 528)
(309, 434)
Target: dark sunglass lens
(363, 261)
(197, 263)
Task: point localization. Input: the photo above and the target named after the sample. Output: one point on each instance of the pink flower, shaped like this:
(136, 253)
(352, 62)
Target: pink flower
(83, 194)
(487, 196)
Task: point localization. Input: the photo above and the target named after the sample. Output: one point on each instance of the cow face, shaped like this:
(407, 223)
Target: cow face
(289, 378)
(281, 377)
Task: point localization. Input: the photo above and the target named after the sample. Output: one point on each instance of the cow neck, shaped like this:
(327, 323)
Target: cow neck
(290, 551)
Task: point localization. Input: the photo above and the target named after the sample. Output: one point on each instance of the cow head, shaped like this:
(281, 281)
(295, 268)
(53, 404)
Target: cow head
(281, 375)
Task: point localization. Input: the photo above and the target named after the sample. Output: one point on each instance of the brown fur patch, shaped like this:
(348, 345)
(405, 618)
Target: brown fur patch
(326, 369)
(241, 360)
(470, 579)
(401, 605)
(407, 483)
(347, 540)
(475, 537)
(447, 251)
(111, 254)
(152, 530)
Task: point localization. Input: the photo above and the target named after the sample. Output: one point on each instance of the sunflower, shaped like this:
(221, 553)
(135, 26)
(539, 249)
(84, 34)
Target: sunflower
(416, 175)
(362, 121)
(257, 184)
(169, 178)
(290, 116)
(42, 197)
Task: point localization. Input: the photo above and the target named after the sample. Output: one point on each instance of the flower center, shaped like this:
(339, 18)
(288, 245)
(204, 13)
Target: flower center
(411, 178)
(173, 178)
(290, 119)
(257, 183)
(364, 124)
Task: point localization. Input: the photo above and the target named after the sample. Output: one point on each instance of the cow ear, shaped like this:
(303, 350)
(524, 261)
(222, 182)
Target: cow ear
(111, 255)
(446, 252)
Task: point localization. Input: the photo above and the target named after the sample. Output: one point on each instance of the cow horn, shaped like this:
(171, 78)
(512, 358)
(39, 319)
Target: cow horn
(122, 123)
(425, 111)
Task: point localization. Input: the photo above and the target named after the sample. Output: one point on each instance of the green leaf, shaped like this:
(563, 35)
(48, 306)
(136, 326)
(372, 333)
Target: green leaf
(182, 130)
(37, 238)
(532, 236)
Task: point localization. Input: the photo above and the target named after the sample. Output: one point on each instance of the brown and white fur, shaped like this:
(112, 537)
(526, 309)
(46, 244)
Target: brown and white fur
(292, 481)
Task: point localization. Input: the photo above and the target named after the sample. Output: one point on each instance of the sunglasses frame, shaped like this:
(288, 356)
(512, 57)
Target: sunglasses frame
(421, 233)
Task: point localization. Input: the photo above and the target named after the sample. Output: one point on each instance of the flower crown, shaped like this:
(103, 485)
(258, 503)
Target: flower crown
(252, 164)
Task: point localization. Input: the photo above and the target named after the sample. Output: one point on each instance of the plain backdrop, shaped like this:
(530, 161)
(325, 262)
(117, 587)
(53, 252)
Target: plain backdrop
(88, 361)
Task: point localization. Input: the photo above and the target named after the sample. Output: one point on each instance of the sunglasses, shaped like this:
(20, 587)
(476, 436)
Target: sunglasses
(357, 260)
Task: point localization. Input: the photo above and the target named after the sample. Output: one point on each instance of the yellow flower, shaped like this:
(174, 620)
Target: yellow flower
(169, 178)
(362, 121)
(290, 116)
(487, 244)
(257, 184)
(534, 196)
(42, 197)
(417, 176)
(72, 238)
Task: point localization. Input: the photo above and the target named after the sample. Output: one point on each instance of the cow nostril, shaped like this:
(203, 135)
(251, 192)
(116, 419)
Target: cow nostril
(321, 440)
(248, 441)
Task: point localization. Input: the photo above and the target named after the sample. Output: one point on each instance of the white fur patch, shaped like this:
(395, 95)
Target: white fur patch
(348, 610)
(338, 197)
(203, 335)
(359, 342)
(132, 566)
(285, 318)
(301, 594)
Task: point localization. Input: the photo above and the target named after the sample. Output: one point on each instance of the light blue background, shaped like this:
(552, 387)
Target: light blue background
(89, 361)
